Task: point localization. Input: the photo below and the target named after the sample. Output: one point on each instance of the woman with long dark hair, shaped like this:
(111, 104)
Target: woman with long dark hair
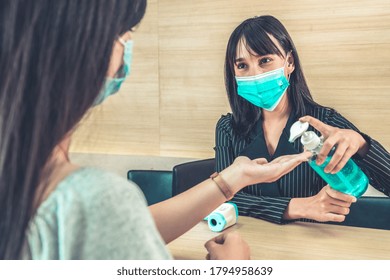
(55, 65)
(268, 92)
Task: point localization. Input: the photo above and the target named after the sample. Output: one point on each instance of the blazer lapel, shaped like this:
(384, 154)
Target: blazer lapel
(258, 149)
(284, 146)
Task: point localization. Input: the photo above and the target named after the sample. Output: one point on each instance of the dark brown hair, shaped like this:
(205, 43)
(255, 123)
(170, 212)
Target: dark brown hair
(53, 59)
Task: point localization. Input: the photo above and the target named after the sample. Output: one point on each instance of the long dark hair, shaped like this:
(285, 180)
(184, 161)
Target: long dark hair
(53, 59)
(254, 32)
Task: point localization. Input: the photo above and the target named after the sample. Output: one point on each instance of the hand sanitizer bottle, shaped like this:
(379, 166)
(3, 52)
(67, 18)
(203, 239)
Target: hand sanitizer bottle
(350, 179)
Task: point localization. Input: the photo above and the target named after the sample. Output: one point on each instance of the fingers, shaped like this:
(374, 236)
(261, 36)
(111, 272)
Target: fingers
(218, 240)
(337, 156)
(295, 157)
(348, 154)
(339, 160)
(283, 165)
(287, 163)
(304, 156)
(209, 245)
(331, 217)
(337, 137)
(261, 171)
(307, 154)
(317, 124)
(228, 245)
(325, 150)
(337, 209)
(346, 146)
(341, 203)
(339, 196)
(330, 205)
(337, 213)
(211, 248)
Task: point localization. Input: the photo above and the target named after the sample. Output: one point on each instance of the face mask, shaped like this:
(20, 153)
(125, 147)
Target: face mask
(112, 85)
(264, 90)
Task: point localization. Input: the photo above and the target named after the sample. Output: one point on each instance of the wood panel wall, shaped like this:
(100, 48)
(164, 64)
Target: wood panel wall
(175, 94)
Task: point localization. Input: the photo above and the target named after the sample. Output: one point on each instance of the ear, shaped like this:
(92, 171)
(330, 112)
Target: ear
(290, 63)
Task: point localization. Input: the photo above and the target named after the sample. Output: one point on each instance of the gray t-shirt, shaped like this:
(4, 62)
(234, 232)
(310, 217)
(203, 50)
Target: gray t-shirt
(93, 214)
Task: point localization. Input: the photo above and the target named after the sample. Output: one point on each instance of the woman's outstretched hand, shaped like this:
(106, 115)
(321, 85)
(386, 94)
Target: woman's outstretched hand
(244, 171)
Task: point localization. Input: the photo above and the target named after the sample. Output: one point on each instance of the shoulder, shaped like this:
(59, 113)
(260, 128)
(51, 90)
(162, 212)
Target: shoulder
(88, 194)
(333, 118)
(224, 128)
(92, 186)
(225, 123)
(90, 207)
(323, 113)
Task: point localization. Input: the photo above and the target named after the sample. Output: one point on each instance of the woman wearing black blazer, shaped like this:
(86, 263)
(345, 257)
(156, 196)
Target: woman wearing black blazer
(267, 92)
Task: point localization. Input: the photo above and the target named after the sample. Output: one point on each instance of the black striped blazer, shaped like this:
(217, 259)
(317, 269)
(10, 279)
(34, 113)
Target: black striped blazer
(268, 201)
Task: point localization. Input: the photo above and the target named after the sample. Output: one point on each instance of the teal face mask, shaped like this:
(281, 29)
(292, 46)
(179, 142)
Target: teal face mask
(112, 85)
(264, 90)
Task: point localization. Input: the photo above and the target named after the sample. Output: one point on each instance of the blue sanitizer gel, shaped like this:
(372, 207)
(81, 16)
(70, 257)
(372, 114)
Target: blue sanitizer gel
(350, 179)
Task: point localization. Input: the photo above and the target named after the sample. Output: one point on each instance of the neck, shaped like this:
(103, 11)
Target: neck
(56, 169)
(61, 152)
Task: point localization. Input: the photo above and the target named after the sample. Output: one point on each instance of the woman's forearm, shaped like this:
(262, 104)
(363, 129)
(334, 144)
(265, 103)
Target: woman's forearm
(179, 214)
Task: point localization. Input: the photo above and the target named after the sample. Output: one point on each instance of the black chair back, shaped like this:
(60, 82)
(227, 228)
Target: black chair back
(155, 184)
(189, 174)
(369, 212)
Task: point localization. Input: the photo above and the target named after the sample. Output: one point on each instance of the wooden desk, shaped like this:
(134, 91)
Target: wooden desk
(295, 241)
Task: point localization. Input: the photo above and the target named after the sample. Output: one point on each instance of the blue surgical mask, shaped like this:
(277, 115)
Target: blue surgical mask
(112, 85)
(264, 90)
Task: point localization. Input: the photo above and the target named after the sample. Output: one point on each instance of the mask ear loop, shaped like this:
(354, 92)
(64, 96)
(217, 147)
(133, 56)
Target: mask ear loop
(285, 63)
(120, 40)
(123, 43)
